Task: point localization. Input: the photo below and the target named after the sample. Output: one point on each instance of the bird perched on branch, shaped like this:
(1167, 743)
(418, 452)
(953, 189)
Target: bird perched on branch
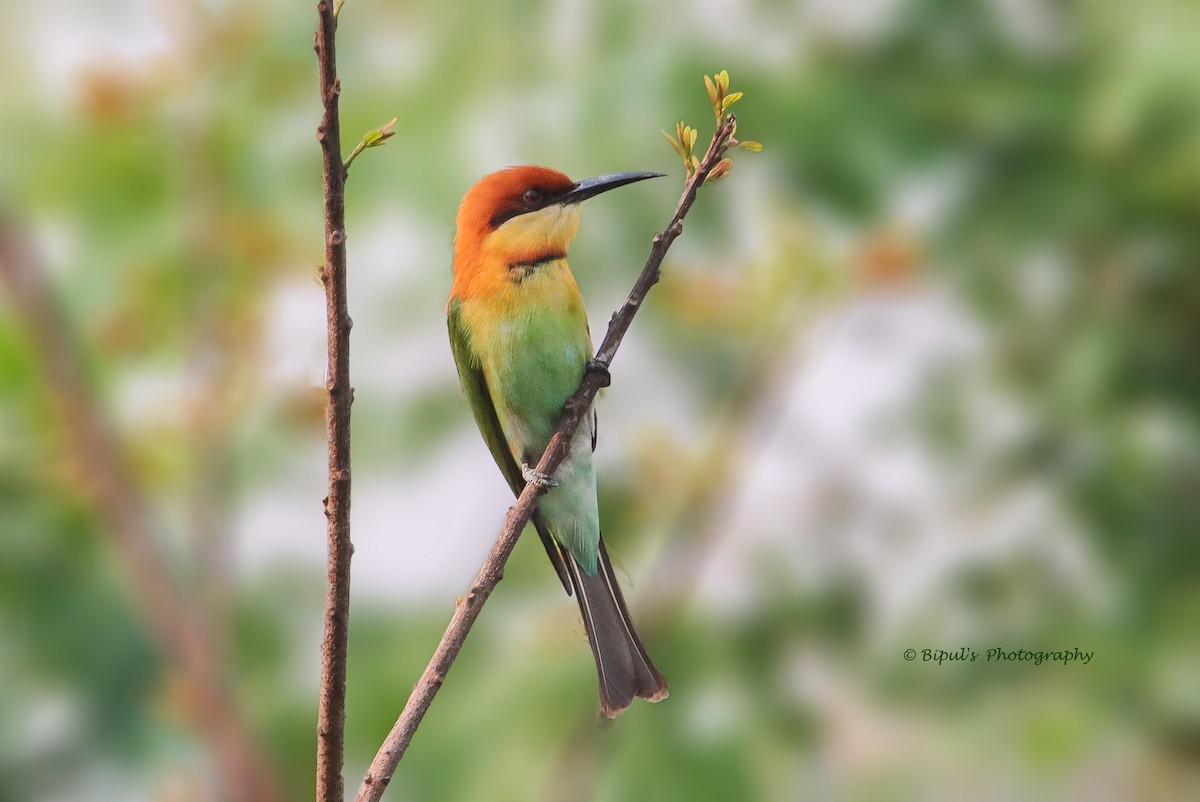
(519, 333)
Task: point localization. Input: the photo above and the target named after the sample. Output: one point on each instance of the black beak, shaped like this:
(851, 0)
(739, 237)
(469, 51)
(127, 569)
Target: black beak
(590, 187)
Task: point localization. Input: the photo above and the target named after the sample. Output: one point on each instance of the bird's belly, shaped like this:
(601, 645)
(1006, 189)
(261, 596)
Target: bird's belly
(541, 367)
(541, 373)
(533, 347)
(532, 340)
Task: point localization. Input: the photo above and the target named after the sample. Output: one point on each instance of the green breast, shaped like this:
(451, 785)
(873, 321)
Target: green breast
(533, 348)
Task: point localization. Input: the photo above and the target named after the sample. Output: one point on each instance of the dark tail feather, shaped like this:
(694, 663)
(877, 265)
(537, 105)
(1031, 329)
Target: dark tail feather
(552, 551)
(622, 665)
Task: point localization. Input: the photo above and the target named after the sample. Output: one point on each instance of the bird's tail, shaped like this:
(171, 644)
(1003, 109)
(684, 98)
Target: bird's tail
(622, 665)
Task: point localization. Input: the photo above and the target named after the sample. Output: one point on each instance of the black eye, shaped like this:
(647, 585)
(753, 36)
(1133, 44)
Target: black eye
(531, 197)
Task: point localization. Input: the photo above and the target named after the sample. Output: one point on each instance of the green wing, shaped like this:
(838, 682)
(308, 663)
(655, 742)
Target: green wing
(479, 397)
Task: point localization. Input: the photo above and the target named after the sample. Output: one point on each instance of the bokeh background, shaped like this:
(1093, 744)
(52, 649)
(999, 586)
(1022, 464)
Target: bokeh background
(921, 375)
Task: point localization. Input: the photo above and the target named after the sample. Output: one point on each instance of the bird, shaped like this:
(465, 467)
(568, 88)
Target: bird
(519, 335)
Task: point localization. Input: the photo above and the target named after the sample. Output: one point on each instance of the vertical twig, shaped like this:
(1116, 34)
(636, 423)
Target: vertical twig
(492, 571)
(331, 716)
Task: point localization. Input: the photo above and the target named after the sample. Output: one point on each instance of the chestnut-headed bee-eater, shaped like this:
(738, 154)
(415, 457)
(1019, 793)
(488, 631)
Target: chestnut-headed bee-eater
(519, 333)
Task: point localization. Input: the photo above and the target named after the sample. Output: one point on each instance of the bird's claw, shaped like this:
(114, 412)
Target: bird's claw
(535, 477)
(601, 367)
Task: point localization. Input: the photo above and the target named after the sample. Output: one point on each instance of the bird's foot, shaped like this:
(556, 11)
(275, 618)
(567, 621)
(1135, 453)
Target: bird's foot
(538, 478)
(601, 367)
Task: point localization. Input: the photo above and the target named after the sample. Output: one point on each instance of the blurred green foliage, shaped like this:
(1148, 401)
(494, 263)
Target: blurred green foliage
(161, 159)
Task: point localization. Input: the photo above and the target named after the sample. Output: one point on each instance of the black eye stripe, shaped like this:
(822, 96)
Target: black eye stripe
(504, 215)
(530, 200)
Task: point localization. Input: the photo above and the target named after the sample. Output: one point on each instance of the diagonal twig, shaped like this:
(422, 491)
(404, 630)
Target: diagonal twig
(173, 619)
(492, 571)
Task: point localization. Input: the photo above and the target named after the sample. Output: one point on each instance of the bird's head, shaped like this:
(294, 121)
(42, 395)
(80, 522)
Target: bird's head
(524, 215)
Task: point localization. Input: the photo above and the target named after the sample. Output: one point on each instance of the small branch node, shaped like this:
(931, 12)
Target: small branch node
(600, 367)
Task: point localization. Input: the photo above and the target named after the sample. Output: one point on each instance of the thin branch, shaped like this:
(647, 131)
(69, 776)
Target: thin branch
(172, 620)
(331, 714)
(492, 571)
